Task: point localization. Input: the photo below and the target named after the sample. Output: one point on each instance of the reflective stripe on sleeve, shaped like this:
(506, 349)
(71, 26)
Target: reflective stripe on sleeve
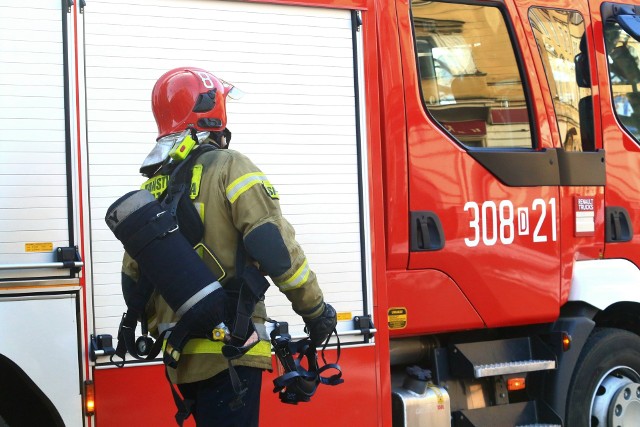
(242, 184)
(298, 278)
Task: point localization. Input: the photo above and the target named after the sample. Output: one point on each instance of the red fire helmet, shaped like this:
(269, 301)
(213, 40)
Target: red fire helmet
(189, 97)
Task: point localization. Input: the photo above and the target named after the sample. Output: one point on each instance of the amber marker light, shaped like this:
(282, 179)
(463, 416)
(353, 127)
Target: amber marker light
(89, 398)
(514, 384)
(566, 341)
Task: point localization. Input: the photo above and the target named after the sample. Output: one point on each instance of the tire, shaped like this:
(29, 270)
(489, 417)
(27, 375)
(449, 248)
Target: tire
(605, 386)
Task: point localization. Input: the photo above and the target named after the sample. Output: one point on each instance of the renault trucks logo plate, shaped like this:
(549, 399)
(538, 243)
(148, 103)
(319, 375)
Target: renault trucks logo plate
(585, 216)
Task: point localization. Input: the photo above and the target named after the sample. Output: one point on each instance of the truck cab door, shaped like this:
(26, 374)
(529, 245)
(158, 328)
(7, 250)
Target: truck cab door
(561, 41)
(617, 47)
(483, 176)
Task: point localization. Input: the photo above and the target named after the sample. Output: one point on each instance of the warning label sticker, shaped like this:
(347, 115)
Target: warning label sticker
(38, 247)
(344, 315)
(397, 317)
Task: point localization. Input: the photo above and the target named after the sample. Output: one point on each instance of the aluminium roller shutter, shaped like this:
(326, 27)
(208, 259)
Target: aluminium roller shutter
(297, 122)
(34, 189)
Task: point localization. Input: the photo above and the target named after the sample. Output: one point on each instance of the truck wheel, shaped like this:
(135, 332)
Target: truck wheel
(605, 388)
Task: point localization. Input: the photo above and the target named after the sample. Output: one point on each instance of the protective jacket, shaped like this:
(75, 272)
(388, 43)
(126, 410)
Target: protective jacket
(241, 215)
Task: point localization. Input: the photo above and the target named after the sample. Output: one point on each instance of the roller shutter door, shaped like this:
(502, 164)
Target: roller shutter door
(34, 191)
(297, 122)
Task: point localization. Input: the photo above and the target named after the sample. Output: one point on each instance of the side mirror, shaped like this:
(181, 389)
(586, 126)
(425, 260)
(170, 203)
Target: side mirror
(583, 79)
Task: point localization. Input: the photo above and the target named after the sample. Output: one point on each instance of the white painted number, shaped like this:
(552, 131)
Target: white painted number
(489, 238)
(206, 80)
(474, 224)
(490, 223)
(506, 222)
(537, 238)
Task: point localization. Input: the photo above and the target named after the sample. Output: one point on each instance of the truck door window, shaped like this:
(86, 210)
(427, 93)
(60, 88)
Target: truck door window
(469, 77)
(624, 76)
(559, 35)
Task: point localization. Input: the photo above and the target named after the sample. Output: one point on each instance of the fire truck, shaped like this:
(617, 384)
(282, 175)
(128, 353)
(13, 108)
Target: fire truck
(464, 176)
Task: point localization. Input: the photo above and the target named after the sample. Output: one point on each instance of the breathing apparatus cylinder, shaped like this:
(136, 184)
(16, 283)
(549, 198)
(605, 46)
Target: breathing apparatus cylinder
(150, 234)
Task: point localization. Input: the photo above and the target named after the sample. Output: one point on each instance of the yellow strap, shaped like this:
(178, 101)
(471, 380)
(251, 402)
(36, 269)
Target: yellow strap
(205, 346)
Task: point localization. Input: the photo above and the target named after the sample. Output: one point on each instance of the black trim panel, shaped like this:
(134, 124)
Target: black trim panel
(553, 167)
(581, 168)
(67, 127)
(521, 168)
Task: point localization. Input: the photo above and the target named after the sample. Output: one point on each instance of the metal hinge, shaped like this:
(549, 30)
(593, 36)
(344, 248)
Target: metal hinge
(70, 3)
(365, 325)
(101, 345)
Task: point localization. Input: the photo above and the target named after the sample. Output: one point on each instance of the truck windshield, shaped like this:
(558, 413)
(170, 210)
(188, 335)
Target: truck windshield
(624, 75)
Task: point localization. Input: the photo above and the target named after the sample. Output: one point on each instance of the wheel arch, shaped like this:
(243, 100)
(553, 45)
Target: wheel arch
(621, 315)
(603, 283)
(21, 400)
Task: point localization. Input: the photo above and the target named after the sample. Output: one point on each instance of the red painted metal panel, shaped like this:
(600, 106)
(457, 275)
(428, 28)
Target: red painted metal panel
(140, 396)
(393, 127)
(337, 4)
(429, 297)
(354, 403)
(134, 396)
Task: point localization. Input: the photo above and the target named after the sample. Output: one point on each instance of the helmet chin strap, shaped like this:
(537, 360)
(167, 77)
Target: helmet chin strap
(220, 139)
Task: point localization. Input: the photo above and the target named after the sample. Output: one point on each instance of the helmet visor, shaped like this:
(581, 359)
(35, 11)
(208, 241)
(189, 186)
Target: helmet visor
(235, 93)
(231, 91)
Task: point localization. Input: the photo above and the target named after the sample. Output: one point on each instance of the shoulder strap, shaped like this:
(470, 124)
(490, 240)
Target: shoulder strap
(177, 199)
(182, 172)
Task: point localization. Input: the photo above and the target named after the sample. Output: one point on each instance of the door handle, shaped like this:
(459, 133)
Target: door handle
(618, 226)
(426, 231)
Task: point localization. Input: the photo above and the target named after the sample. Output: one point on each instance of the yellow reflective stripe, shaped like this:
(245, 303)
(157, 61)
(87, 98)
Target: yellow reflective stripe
(205, 346)
(242, 184)
(298, 278)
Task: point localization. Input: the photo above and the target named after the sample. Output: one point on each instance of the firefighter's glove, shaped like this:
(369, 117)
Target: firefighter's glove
(319, 328)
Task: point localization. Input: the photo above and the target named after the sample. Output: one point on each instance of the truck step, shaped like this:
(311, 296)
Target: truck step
(522, 414)
(500, 357)
(540, 425)
(494, 369)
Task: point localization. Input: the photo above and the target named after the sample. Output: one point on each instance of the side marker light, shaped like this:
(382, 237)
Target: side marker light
(89, 398)
(566, 341)
(514, 384)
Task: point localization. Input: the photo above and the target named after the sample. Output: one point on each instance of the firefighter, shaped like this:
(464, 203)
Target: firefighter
(243, 226)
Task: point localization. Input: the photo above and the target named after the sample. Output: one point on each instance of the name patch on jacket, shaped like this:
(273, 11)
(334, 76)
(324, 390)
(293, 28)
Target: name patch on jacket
(156, 185)
(270, 189)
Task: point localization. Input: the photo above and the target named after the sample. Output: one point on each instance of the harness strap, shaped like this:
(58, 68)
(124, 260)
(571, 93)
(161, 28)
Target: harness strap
(239, 388)
(157, 228)
(185, 406)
